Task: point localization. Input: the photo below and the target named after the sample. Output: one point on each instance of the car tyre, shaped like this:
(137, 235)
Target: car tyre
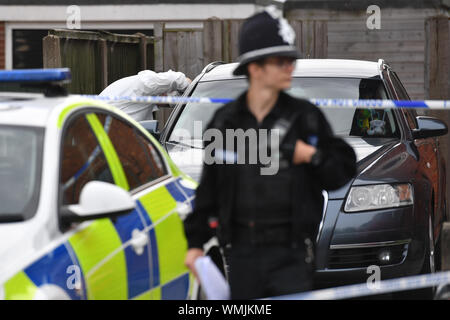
(429, 266)
(429, 263)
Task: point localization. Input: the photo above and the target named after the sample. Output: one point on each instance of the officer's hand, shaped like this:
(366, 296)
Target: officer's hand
(303, 152)
(191, 256)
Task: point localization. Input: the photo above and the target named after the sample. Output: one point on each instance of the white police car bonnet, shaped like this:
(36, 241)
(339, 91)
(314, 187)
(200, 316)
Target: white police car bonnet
(265, 34)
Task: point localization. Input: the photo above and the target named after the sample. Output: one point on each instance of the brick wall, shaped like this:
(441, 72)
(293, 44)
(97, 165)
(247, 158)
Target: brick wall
(2, 45)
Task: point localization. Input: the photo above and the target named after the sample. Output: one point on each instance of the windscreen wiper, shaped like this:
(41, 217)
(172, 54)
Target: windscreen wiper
(179, 143)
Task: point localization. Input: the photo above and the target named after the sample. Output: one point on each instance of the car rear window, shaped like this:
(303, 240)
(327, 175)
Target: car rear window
(344, 122)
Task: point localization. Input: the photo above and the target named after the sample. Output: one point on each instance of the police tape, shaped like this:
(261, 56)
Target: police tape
(323, 103)
(372, 288)
(157, 99)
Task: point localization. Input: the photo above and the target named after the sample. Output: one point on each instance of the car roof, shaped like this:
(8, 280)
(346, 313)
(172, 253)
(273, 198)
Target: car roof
(27, 109)
(309, 68)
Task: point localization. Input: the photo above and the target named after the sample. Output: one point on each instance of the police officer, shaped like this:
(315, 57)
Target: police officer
(268, 223)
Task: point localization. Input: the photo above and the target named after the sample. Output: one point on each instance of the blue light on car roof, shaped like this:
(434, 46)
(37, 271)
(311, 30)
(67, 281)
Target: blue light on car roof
(35, 75)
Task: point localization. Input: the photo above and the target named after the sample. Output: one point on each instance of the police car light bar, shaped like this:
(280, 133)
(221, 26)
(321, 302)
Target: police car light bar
(35, 75)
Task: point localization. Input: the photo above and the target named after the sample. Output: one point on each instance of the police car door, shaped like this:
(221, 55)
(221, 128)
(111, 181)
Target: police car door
(158, 196)
(119, 258)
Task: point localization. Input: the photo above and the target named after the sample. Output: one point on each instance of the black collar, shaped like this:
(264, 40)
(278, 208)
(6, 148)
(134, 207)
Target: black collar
(232, 112)
(241, 105)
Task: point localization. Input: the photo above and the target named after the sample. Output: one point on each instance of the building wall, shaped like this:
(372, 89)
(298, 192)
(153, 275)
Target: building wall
(400, 41)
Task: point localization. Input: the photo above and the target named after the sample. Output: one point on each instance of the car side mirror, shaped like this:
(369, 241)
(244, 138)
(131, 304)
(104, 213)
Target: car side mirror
(98, 200)
(429, 127)
(152, 127)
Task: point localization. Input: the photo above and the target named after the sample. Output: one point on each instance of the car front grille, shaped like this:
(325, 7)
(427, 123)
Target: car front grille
(362, 257)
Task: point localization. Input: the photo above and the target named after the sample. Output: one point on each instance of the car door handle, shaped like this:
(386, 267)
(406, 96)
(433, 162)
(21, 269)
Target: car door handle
(139, 240)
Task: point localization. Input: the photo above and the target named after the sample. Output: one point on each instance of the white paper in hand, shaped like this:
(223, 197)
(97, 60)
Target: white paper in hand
(213, 283)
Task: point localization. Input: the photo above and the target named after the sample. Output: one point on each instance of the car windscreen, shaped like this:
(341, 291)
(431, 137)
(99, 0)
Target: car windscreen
(20, 171)
(344, 122)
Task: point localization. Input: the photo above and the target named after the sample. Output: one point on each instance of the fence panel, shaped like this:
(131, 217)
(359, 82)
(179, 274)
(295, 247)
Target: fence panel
(311, 38)
(182, 50)
(96, 59)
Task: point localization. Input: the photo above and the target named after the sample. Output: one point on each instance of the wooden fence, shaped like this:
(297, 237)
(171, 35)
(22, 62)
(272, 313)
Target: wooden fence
(97, 58)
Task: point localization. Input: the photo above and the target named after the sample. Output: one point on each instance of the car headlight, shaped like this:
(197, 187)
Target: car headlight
(379, 196)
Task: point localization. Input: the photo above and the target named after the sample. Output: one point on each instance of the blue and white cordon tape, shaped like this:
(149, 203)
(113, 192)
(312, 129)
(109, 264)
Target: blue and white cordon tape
(157, 99)
(366, 289)
(381, 104)
(323, 103)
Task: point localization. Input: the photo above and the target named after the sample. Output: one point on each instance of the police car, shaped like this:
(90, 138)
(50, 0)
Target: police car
(91, 206)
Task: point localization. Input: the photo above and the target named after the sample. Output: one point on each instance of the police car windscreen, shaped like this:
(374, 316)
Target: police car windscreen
(20, 171)
(365, 123)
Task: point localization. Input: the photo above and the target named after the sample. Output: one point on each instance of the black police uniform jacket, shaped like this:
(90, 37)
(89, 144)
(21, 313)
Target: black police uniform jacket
(215, 194)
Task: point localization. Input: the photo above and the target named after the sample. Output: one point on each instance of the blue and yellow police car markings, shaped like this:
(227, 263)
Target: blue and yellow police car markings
(56, 265)
(138, 269)
(153, 250)
(176, 289)
(81, 292)
(181, 194)
(175, 191)
(23, 286)
(153, 256)
(187, 186)
(180, 288)
(137, 285)
(140, 280)
(155, 274)
(171, 245)
(20, 287)
(153, 294)
(98, 248)
(52, 269)
(95, 257)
